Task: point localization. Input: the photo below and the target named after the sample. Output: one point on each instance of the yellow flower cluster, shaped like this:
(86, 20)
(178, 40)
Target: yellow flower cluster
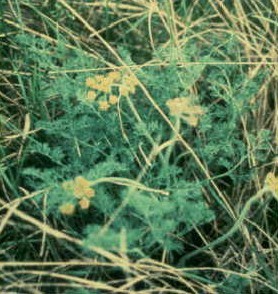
(103, 83)
(81, 189)
(272, 182)
(67, 209)
(103, 105)
(128, 85)
(184, 108)
(113, 99)
(91, 96)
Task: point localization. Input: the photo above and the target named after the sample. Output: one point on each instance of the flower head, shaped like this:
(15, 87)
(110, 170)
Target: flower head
(99, 82)
(128, 85)
(99, 78)
(79, 187)
(67, 208)
(113, 99)
(82, 188)
(184, 108)
(130, 80)
(114, 75)
(90, 82)
(84, 203)
(272, 182)
(132, 89)
(91, 96)
(175, 106)
(103, 105)
(103, 83)
(124, 90)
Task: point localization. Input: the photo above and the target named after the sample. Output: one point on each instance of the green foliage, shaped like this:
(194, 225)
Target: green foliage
(75, 138)
(152, 223)
(148, 194)
(234, 284)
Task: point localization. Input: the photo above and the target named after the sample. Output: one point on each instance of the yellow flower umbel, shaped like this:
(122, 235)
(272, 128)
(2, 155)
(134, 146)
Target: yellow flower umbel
(90, 82)
(67, 209)
(114, 76)
(124, 90)
(272, 182)
(91, 96)
(128, 86)
(113, 99)
(84, 203)
(124, 82)
(81, 189)
(103, 83)
(103, 105)
(184, 108)
(100, 83)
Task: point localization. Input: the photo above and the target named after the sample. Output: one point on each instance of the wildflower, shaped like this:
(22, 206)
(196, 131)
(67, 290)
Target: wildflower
(104, 85)
(82, 188)
(176, 106)
(114, 75)
(132, 89)
(91, 96)
(103, 105)
(67, 209)
(192, 120)
(90, 82)
(99, 78)
(124, 91)
(182, 107)
(272, 182)
(129, 85)
(130, 81)
(99, 82)
(84, 203)
(113, 99)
